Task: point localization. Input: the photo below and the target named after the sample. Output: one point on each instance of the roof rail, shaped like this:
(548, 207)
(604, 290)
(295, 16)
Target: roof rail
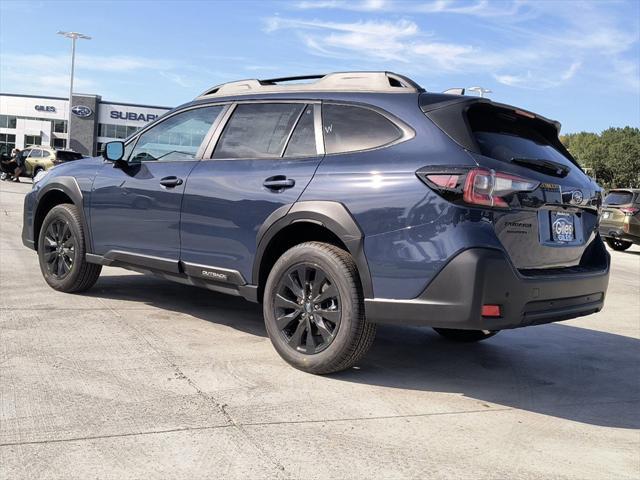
(387, 82)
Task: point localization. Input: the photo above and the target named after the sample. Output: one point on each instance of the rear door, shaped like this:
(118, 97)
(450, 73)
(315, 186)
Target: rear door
(260, 162)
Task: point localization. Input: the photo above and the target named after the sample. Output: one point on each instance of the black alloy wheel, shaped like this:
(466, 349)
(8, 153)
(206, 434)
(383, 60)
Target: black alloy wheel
(59, 249)
(307, 308)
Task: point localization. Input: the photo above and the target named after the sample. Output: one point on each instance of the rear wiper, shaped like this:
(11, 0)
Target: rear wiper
(541, 165)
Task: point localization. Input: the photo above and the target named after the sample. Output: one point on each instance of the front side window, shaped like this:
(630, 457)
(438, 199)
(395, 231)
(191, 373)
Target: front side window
(348, 128)
(258, 130)
(177, 138)
(36, 153)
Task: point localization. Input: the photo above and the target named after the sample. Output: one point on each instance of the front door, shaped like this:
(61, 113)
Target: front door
(264, 159)
(135, 209)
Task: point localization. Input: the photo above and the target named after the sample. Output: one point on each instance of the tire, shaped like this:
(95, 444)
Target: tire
(333, 310)
(465, 335)
(618, 245)
(61, 251)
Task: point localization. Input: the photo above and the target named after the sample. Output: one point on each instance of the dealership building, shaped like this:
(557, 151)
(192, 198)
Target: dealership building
(33, 120)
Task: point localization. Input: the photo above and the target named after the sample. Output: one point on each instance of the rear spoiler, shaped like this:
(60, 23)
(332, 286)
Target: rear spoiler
(449, 113)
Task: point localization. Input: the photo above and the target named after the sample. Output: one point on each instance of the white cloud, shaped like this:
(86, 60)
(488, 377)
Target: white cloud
(565, 39)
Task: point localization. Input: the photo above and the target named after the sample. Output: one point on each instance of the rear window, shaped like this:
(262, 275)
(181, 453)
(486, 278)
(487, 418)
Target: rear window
(348, 128)
(618, 198)
(506, 136)
(64, 156)
(258, 130)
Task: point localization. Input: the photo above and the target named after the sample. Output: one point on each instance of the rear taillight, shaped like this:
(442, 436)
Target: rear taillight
(477, 186)
(630, 211)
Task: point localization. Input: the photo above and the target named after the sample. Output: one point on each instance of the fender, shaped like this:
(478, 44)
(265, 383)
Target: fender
(332, 215)
(69, 186)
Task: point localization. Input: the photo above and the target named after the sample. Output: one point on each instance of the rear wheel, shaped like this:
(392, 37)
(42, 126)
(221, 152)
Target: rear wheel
(61, 251)
(314, 309)
(619, 245)
(466, 335)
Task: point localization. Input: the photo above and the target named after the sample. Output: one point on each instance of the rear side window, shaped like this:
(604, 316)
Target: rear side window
(303, 139)
(618, 198)
(506, 136)
(348, 128)
(258, 130)
(65, 156)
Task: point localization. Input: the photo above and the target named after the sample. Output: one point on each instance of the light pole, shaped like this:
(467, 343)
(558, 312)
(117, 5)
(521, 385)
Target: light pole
(73, 36)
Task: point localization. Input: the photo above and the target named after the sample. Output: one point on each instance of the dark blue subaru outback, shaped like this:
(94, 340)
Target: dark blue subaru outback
(339, 202)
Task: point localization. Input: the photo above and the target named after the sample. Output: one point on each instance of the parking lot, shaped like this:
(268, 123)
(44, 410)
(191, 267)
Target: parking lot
(142, 378)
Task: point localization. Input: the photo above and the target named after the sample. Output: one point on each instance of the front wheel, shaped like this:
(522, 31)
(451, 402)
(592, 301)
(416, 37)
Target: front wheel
(61, 251)
(465, 335)
(314, 309)
(618, 245)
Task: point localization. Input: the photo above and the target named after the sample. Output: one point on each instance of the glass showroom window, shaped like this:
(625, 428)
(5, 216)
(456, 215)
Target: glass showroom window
(60, 126)
(7, 121)
(7, 143)
(59, 143)
(32, 140)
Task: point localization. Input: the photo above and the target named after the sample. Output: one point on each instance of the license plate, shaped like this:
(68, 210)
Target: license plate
(562, 227)
(606, 215)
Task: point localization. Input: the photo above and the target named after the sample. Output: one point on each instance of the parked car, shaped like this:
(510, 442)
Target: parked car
(340, 203)
(620, 219)
(39, 158)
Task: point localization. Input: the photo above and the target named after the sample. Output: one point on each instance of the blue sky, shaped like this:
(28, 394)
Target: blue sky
(577, 62)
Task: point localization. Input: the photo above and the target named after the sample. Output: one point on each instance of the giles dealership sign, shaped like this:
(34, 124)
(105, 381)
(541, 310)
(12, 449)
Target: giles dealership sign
(45, 108)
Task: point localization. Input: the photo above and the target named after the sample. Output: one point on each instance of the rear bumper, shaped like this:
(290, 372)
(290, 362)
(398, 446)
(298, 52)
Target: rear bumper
(618, 233)
(484, 276)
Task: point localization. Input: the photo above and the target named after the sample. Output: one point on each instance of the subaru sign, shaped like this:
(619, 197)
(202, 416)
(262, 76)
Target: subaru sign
(140, 117)
(81, 111)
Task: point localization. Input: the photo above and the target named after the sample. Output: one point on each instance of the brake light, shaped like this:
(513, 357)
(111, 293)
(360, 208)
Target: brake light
(490, 310)
(488, 187)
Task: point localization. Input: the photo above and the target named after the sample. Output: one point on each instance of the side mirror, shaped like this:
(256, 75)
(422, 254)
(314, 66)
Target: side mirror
(113, 151)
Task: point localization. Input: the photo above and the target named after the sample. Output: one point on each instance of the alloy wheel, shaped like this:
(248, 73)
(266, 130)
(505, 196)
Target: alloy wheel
(59, 249)
(307, 308)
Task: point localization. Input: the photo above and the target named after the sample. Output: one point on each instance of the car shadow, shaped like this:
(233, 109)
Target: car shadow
(560, 370)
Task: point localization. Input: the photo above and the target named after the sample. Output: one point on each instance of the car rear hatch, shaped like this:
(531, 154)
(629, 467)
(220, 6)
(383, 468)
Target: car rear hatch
(618, 206)
(543, 206)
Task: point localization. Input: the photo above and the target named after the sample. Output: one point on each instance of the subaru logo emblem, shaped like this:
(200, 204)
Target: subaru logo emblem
(576, 197)
(81, 111)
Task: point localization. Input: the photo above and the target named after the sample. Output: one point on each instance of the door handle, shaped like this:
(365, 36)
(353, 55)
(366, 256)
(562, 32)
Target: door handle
(170, 182)
(278, 182)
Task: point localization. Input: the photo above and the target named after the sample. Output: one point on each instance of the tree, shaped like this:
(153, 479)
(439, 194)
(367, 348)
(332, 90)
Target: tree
(614, 155)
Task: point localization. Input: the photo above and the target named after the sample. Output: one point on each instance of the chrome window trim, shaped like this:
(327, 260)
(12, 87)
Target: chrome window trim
(317, 123)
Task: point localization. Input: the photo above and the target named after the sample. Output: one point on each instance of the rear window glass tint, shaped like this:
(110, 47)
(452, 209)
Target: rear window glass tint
(618, 198)
(66, 156)
(348, 128)
(506, 136)
(258, 130)
(303, 139)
